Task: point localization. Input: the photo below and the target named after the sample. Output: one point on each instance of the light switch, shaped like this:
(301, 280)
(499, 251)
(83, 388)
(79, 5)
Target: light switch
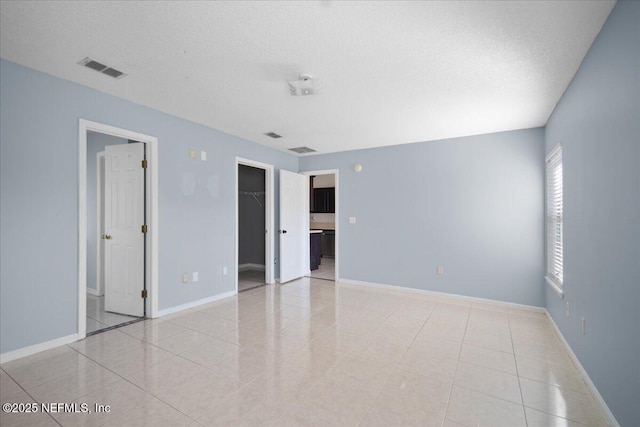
(352, 220)
(195, 276)
(203, 156)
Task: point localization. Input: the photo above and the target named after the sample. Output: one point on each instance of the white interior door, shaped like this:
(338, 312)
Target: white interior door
(123, 220)
(100, 223)
(294, 225)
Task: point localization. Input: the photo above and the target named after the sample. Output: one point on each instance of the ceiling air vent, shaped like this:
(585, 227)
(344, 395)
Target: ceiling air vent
(273, 135)
(302, 150)
(104, 69)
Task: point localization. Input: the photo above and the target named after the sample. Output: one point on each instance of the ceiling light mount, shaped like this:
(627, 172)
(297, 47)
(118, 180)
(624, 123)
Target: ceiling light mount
(305, 85)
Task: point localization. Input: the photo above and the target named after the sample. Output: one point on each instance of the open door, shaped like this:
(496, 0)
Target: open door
(294, 226)
(124, 217)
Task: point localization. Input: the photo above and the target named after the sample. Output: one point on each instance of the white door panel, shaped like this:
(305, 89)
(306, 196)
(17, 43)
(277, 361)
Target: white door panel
(123, 220)
(294, 226)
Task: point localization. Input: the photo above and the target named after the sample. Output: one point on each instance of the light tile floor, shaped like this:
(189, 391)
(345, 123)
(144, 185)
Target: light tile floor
(98, 318)
(249, 279)
(313, 353)
(326, 270)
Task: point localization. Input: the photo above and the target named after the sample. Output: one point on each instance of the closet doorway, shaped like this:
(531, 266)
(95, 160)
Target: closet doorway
(254, 221)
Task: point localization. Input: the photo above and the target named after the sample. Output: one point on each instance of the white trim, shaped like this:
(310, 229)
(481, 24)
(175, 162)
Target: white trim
(37, 348)
(152, 216)
(192, 304)
(251, 266)
(456, 297)
(93, 292)
(334, 172)
(269, 198)
(557, 289)
(592, 387)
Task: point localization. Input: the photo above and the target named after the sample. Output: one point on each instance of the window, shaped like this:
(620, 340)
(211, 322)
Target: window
(554, 219)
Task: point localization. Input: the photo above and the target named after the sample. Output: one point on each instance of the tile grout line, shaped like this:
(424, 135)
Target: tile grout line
(513, 347)
(446, 411)
(133, 384)
(28, 394)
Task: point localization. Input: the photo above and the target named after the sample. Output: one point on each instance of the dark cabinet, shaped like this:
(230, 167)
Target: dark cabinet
(315, 240)
(324, 200)
(328, 243)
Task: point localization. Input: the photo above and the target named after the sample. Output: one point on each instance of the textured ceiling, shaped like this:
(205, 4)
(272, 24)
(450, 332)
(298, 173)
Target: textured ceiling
(392, 72)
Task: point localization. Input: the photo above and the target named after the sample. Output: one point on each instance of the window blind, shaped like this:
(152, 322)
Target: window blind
(554, 217)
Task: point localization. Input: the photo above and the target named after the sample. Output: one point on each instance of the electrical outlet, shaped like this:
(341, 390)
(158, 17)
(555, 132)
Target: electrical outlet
(439, 270)
(566, 309)
(192, 153)
(185, 277)
(584, 326)
(195, 276)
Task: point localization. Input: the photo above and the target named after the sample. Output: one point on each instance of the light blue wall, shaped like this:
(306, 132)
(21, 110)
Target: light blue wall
(597, 122)
(39, 201)
(473, 205)
(95, 144)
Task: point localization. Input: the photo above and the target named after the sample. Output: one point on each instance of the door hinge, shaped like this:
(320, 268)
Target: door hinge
(144, 164)
(143, 294)
(144, 228)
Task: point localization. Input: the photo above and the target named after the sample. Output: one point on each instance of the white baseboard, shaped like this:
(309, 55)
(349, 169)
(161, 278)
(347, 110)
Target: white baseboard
(442, 295)
(37, 348)
(93, 292)
(592, 387)
(251, 266)
(196, 303)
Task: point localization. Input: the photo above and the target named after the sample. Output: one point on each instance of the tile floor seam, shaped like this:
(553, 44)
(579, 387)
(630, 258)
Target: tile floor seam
(376, 397)
(315, 384)
(136, 385)
(29, 394)
(395, 368)
(152, 394)
(526, 421)
(446, 410)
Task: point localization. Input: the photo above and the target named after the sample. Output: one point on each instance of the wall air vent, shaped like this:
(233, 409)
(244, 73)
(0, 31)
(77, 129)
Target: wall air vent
(302, 150)
(273, 135)
(101, 68)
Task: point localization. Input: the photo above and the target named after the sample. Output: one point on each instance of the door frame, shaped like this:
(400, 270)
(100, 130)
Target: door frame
(151, 190)
(269, 218)
(337, 213)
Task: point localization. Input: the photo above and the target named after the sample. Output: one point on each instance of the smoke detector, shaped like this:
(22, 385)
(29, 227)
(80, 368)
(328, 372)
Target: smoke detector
(305, 85)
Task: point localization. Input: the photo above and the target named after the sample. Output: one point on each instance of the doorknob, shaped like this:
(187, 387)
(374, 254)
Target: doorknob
(106, 236)
(283, 231)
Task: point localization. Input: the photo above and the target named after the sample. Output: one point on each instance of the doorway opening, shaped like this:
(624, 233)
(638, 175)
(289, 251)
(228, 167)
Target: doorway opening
(117, 235)
(254, 224)
(102, 311)
(323, 227)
